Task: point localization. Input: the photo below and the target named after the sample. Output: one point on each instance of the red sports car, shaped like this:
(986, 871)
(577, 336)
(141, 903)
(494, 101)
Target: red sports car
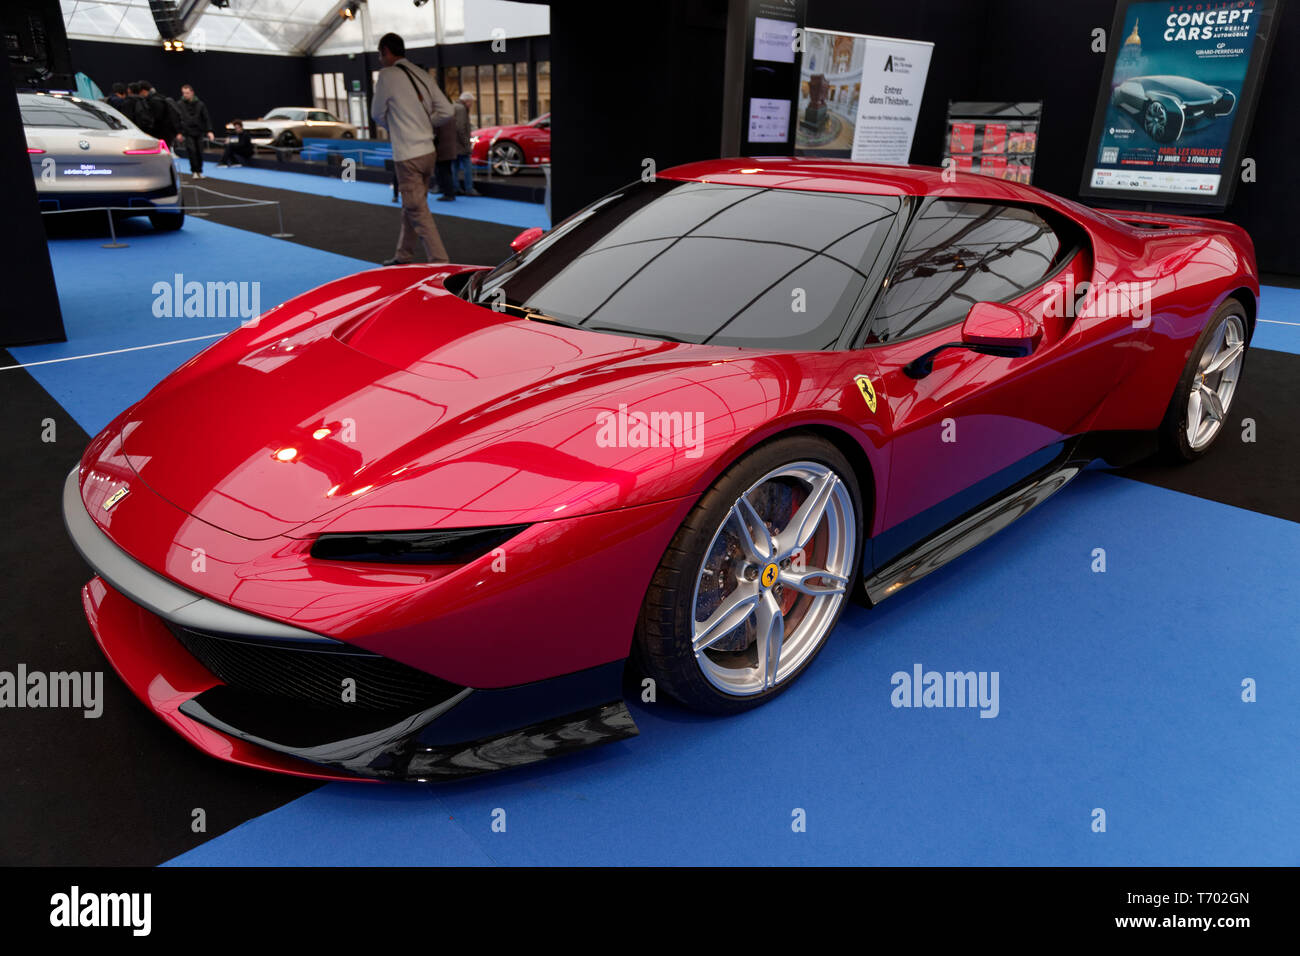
(508, 149)
(415, 522)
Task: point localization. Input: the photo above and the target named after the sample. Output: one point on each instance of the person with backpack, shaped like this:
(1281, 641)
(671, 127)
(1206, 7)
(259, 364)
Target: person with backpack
(411, 107)
(196, 126)
(165, 115)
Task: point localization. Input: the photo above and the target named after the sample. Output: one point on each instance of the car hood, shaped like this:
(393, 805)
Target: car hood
(420, 399)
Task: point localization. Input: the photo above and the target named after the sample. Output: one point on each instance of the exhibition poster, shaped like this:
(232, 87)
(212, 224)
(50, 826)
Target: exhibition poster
(859, 96)
(1171, 120)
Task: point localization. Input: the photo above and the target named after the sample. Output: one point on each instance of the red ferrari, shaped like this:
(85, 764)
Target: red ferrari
(414, 523)
(508, 149)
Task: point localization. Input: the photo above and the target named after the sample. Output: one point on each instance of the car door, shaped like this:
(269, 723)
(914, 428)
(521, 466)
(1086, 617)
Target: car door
(975, 416)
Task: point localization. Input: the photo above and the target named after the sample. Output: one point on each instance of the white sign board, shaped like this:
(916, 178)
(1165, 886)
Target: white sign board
(893, 79)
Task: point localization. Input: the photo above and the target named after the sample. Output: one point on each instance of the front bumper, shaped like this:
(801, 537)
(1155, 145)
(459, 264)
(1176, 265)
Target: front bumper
(136, 614)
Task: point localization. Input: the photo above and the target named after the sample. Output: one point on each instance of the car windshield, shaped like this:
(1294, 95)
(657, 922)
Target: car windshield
(703, 263)
(286, 114)
(62, 111)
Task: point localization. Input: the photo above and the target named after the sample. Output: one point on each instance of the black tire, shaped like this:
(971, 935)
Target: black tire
(288, 144)
(510, 165)
(348, 134)
(662, 648)
(167, 221)
(1174, 444)
(1163, 121)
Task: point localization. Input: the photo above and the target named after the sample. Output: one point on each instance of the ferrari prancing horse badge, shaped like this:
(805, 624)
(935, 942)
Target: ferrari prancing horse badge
(868, 391)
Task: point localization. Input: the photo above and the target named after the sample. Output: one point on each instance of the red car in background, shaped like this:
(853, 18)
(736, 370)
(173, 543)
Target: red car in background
(414, 523)
(508, 149)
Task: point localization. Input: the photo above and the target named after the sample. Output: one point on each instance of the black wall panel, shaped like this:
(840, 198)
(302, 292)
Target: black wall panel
(233, 85)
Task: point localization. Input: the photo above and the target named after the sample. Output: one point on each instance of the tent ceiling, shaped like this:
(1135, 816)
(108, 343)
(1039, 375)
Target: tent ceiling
(287, 26)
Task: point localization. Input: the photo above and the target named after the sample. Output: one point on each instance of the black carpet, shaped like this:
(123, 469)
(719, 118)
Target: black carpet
(120, 788)
(359, 229)
(1261, 475)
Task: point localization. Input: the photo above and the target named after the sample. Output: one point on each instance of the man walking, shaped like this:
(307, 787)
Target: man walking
(196, 126)
(462, 171)
(410, 106)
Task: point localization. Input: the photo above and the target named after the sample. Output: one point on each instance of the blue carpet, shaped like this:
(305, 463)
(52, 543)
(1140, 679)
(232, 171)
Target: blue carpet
(1118, 690)
(107, 300)
(508, 212)
(1279, 312)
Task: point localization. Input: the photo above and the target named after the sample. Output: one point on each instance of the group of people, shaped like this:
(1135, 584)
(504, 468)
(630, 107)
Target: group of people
(430, 137)
(184, 122)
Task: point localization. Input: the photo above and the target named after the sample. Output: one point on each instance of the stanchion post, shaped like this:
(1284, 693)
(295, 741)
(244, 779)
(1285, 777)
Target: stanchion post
(279, 215)
(112, 232)
(197, 210)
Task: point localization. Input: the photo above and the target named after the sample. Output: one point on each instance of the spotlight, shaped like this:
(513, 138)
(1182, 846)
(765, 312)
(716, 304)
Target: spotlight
(420, 3)
(349, 12)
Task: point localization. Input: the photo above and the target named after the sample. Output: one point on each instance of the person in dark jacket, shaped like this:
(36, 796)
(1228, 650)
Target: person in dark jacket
(166, 116)
(118, 100)
(239, 147)
(139, 112)
(446, 145)
(196, 126)
(462, 170)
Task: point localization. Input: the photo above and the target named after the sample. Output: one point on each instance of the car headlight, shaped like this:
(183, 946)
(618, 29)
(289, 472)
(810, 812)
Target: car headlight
(454, 546)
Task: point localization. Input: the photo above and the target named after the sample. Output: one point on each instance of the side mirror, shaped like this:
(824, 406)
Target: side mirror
(990, 328)
(992, 325)
(526, 238)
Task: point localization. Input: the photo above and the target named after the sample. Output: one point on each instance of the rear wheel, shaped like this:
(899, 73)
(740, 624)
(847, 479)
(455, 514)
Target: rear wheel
(1199, 409)
(167, 221)
(755, 579)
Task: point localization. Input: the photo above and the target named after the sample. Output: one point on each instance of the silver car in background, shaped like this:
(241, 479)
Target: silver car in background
(85, 154)
(287, 127)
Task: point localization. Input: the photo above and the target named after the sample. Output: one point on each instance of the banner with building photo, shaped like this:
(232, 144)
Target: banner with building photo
(1176, 99)
(859, 96)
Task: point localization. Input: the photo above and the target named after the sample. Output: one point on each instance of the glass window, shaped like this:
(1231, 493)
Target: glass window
(543, 86)
(522, 114)
(487, 96)
(958, 253)
(451, 82)
(39, 110)
(505, 94)
(700, 262)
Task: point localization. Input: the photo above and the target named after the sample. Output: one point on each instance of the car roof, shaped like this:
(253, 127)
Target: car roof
(843, 176)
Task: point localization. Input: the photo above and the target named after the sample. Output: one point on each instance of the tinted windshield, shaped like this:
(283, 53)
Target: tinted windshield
(701, 262)
(286, 114)
(40, 110)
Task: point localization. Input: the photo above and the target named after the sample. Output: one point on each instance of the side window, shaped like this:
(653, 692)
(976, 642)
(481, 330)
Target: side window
(957, 253)
(319, 116)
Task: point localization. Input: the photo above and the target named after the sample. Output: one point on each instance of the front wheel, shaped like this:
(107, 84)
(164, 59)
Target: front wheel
(506, 158)
(1199, 409)
(755, 579)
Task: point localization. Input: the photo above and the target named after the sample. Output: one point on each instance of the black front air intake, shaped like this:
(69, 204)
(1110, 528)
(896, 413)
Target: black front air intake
(315, 674)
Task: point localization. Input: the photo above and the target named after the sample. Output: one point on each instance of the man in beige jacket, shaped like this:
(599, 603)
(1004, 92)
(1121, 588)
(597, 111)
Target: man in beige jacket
(409, 105)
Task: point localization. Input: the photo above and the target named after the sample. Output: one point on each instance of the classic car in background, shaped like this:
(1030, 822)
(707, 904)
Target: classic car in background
(288, 126)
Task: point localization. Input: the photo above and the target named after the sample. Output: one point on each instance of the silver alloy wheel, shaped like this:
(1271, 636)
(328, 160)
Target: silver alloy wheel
(769, 587)
(507, 158)
(1218, 370)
